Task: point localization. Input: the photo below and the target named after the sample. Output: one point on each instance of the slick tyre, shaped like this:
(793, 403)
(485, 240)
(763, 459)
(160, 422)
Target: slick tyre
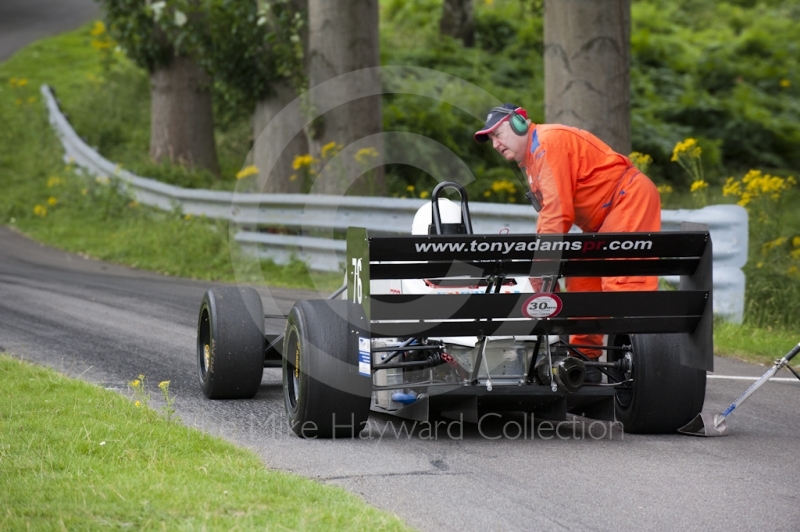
(663, 395)
(230, 343)
(324, 393)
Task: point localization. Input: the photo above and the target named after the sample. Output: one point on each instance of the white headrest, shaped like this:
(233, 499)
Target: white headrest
(450, 212)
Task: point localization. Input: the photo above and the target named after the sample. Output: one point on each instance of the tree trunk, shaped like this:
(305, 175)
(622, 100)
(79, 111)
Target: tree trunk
(587, 67)
(182, 122)
(343, 38)
(458, 21)
(286, 131)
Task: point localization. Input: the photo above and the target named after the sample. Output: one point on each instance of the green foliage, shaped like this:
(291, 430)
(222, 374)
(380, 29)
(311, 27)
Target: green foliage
(248, 48)
(773, 268)
(772, 299)
(245, 46)
(772, 272)
(509, 69)
(724, 73)
(717, 70)
(132, 23)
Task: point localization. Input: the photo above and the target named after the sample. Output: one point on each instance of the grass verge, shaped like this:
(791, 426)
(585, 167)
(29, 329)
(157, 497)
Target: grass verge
(754, 344)
(75, 456)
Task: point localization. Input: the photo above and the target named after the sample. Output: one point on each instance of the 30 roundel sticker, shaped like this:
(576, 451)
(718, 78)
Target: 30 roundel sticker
(542, 306)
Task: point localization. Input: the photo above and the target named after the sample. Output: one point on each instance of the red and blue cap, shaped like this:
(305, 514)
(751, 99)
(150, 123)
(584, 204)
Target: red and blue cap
(497, 116)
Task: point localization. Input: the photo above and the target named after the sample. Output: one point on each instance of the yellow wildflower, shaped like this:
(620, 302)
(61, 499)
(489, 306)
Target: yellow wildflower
(330, 149)
(163, 385)
(796, 242)
(785, 83)
(102, 41)
(689, 147)
(99, 28)
(698, 185)
(756, 184)
(487, 193)
(366, 155)
(54, 181)
(772, 244)
(137, 404)
(52, 201)
(40, 210)
(795, 254)
(424, 194)
(410, 188)
(665, 189)
(642, 161)
(503, 185)
(31, 99)
(303, 161)
(731, 187)
(247, 171)
(99, 45)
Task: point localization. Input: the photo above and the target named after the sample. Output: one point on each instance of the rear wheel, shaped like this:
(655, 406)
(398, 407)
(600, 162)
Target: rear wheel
(230, 343)
(324, 393)
(663, 395)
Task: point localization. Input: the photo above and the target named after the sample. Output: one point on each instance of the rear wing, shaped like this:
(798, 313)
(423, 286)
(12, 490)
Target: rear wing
(687, 311)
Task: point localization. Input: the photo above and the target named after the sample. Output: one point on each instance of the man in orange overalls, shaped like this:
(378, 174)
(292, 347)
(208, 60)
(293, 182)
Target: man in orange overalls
(578, 179)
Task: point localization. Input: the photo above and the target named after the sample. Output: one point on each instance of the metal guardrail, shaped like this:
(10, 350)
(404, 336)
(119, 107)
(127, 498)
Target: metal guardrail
(282, 226)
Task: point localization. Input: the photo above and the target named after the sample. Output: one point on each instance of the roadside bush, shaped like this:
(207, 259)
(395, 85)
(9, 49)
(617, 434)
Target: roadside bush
(772, 272)
(725, 71)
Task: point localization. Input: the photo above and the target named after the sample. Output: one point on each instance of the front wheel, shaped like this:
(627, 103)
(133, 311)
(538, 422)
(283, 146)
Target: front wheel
(662, 395)
(327, 390)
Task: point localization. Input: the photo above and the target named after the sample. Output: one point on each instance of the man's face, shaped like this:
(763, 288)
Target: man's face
(507, 143)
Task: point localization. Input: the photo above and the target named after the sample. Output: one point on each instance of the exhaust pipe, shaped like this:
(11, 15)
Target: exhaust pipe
(568, 372)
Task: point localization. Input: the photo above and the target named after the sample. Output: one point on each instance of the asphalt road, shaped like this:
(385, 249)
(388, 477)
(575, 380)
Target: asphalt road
(23, 21)
(107, 324)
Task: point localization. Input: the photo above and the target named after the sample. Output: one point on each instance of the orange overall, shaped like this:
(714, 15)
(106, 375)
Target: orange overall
(580, 180)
